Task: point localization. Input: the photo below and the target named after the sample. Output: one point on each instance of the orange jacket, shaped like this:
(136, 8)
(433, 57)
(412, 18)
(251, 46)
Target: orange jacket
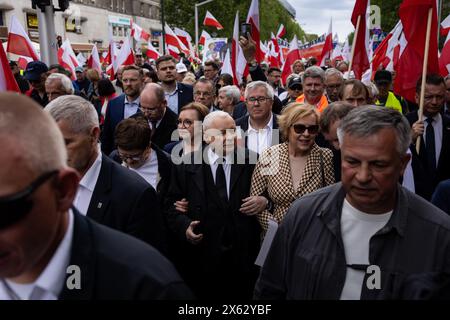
(323, 103)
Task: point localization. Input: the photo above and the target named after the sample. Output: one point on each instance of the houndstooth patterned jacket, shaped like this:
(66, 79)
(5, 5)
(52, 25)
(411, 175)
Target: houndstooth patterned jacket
(273, 174)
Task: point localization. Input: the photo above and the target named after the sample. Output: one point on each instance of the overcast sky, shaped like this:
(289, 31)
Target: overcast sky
(314, 16)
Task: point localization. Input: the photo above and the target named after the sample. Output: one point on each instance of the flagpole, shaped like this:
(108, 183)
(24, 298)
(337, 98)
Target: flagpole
(355, 37)
(424, 72)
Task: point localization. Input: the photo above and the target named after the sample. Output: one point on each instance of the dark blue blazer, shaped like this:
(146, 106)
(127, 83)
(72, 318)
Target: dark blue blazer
(185, 95)
(124, 201)
(114, 114)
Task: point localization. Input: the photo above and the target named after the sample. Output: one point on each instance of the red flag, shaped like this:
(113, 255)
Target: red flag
(183, 36)
(67, 58)
(204, 36)
(211, 21)
(152, 53)
(253, 19)
(7, 80)
(94, 60)
(445, 26)
(173, 40)
(327, 49)
(18, 41)
(281, 31)
(413, 14)
(125, 56)
(292, 55)
(444, 59)
(360, 58)
(138, 33)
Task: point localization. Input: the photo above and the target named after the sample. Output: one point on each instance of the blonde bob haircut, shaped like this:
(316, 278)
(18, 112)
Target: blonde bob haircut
(292, 113)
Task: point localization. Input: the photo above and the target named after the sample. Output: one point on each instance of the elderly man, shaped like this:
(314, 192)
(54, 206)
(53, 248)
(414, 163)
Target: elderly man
(373, 232)
(104, 183)
(177, 94)
(205, 93)
(313, 88)
(57, 85)
(333, 84)
(41, 235)
(162, 120)
(124, 106)
(220, 241)
(260, 125)
(354, 92)
(228, 98)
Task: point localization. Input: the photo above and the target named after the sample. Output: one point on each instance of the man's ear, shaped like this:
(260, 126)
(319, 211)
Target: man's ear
(95, 134)
(66, 186)
(404, 162)
(417, 98)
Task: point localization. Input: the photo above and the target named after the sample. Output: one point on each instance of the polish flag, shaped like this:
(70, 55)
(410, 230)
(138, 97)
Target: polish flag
(211, 21)
(94, 60)
(204, 36)
(396, 46)
(138, 33)
(281, 31)
(173, 40)
(276, 49)
(360, 59)
(23, 61)
(293, 54)
(184, 37)
(67, 58)
(444, 59)
(18, 41)
(253, 19)
(173, 51)
(445, 26)
(125, 56)
(238, 62)
(152, 53)
(7, 80)
(226, 67)
(327, 49)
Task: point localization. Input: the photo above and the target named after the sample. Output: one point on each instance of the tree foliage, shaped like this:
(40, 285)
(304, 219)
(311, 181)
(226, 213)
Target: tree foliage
(272, 14)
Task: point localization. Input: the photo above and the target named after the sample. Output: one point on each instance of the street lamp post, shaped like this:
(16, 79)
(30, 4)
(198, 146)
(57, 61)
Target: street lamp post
(196, 21)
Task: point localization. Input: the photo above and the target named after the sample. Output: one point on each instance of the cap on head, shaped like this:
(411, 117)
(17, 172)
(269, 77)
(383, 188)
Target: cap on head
(181, 67)
(383, 76)
(79, 69)
(295, 82)
(34, 70)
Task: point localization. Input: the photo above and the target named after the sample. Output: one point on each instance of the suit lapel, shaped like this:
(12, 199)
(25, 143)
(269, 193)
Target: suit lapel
(445, 142)
(100, 197)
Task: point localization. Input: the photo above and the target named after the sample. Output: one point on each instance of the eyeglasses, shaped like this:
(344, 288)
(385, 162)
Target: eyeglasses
(132, 157)
(204, 94)
(185, 123)
(260, 100)
(15, 207)
(149, 110)
(301, 128)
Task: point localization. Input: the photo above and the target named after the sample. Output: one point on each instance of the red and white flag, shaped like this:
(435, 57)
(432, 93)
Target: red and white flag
(360, 58)
(184, 37)
(23, 61)
(276, 51)
(414, 16)
(152, 53)
(445, 26)
(138, 33)
(444, 59)
(7, 80)
(204, 36)
(281, 31)
(211, 21)
(327, 49)
(94, 60)
(125, 56)
(238, 62)
(174, 41)
(253, 19)
(292, 55)
(18, 41)
(67, 58)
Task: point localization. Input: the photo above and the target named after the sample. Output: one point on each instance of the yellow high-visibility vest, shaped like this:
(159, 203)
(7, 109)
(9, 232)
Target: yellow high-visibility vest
(391, 102)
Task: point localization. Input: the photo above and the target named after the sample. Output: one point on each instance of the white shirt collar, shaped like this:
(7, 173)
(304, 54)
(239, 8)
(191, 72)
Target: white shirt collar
(213, 157)
(135, 101)
(268, 125)
(90, 178)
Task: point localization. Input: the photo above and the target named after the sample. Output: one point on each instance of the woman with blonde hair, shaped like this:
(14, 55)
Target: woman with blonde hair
(287, 171)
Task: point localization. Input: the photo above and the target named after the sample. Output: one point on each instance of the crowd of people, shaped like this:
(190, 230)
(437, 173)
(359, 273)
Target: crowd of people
(161, 184)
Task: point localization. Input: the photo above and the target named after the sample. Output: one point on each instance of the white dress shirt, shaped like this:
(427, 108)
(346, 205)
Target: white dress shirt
(437, 126)
(149, 170)
(259, 140)
(87, 185)
(130, 107)
(172, 100)
(213, 162)
(50, 283)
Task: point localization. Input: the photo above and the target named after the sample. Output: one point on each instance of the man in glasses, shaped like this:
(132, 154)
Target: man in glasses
(205, 93)
(36, 74)
(42, 236)
(108, 193)
(333, 84)
(162, 120)
(363, 237)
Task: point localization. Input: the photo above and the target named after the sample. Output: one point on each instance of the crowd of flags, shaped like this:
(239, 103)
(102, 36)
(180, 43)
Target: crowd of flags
(402, 50)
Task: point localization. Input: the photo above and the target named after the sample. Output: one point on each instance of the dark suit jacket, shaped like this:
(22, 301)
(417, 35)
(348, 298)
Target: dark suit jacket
(243, 124)
(116, 266)
(240, 109)
(124, 201)
(208, 268)
(163, 132)
(185, 95)
(443, 167)
(114, 114)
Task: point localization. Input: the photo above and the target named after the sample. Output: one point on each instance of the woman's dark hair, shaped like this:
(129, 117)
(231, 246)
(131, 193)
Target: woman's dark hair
(105, 88)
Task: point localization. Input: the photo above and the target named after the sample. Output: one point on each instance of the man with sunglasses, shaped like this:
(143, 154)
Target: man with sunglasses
(44, 240)
(108, 193)
(36, 74)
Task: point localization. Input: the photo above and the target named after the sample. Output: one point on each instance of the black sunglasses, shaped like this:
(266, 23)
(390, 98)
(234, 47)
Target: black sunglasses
(301, 128)
(14, 208)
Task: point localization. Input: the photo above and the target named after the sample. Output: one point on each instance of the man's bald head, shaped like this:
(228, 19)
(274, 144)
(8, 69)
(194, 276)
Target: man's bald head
(34, 134)
(153, 102)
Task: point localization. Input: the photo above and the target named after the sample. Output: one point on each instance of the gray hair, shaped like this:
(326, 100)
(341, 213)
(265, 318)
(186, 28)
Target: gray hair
(66, 83)
(210, 117)
(365, 121)
(79, 113)
(314, 72)
(333, 72)
(231, 92)
(35, 134)
(256, 84)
